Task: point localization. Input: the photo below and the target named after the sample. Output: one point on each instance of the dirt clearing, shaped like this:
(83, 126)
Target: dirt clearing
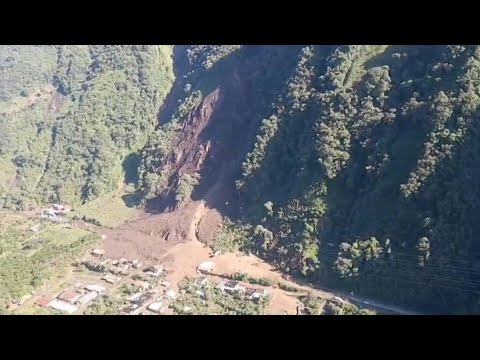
(150, 237)
(187, 256)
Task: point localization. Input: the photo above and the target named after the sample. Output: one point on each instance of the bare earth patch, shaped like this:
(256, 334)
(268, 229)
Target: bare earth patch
(208, 226)
(189, 255)
(150, 237)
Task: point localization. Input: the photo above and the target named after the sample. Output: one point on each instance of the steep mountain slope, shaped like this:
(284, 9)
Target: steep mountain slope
(352, 166)
(362, 174)
(69, 115)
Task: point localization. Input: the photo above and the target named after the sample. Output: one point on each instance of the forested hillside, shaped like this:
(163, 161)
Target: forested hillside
(69, 116)
(363, 174)
(354, 166)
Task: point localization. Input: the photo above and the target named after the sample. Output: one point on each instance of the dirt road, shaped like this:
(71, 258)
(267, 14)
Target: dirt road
(155, 238)
(188, 255)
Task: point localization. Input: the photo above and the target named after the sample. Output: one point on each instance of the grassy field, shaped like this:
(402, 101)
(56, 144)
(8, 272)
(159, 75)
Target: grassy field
(29, 259)
(111, 210)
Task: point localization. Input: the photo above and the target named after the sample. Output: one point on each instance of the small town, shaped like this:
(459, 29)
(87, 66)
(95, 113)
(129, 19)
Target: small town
(144, 289)
(195, 280)
(269, 179)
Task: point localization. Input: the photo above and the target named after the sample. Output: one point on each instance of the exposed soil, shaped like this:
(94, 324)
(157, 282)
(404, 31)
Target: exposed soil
(56, 102)
(189, 255)
(44, 94)
(149, 237)
(209, 145)
(208, 226)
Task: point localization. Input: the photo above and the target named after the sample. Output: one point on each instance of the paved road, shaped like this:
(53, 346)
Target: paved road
(369, 303)
(380, 306)
(330, 294)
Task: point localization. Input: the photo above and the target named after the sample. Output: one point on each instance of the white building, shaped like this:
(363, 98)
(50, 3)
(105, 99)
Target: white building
(97, 288)
(132, 309)
(92, 295)
(111, 279)
(154, 270)
(155, 307)
(171, 294)
(201, 281)
(231, 286)
(36, 228)
(63, 306)
(98, 252)
(134, 297)
(206, 267)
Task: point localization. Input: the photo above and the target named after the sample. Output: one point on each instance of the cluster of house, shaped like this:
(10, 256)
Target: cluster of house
(55, 213)
(147, 298)
(231, 286)
(70, 300)
(121, 267)
(157, 306)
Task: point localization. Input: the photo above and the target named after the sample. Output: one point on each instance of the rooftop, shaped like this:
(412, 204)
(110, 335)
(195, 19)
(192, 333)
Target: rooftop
(87, 297)
(154, 269)
(44, 301)
(110, 278)
(155, 307)
(130, 309)
(171, 294)
(206, 266)
(144, 298)
(231, 284)
(95, 287)
(250, 291)
(63, 306)
(69, 296)
(35, 227)
(134, 297)
(143, 284)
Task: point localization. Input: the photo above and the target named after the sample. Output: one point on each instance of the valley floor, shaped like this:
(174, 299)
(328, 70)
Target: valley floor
(171, 240)
(180, 261)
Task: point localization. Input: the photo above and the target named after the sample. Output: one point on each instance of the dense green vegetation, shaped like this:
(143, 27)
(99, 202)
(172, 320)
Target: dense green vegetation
(104, 305)
(363, 174)
(70, 147)
(28, 259)
(367, 170)
(317, 306)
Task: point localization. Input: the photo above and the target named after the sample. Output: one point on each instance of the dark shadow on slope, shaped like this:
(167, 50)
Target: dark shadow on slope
(290, 164)
(180, 68)
(411, 52)
(130, 167)
(235, 124)
(205, 80)
(378, 209)
(231, 128)
(132, 200)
